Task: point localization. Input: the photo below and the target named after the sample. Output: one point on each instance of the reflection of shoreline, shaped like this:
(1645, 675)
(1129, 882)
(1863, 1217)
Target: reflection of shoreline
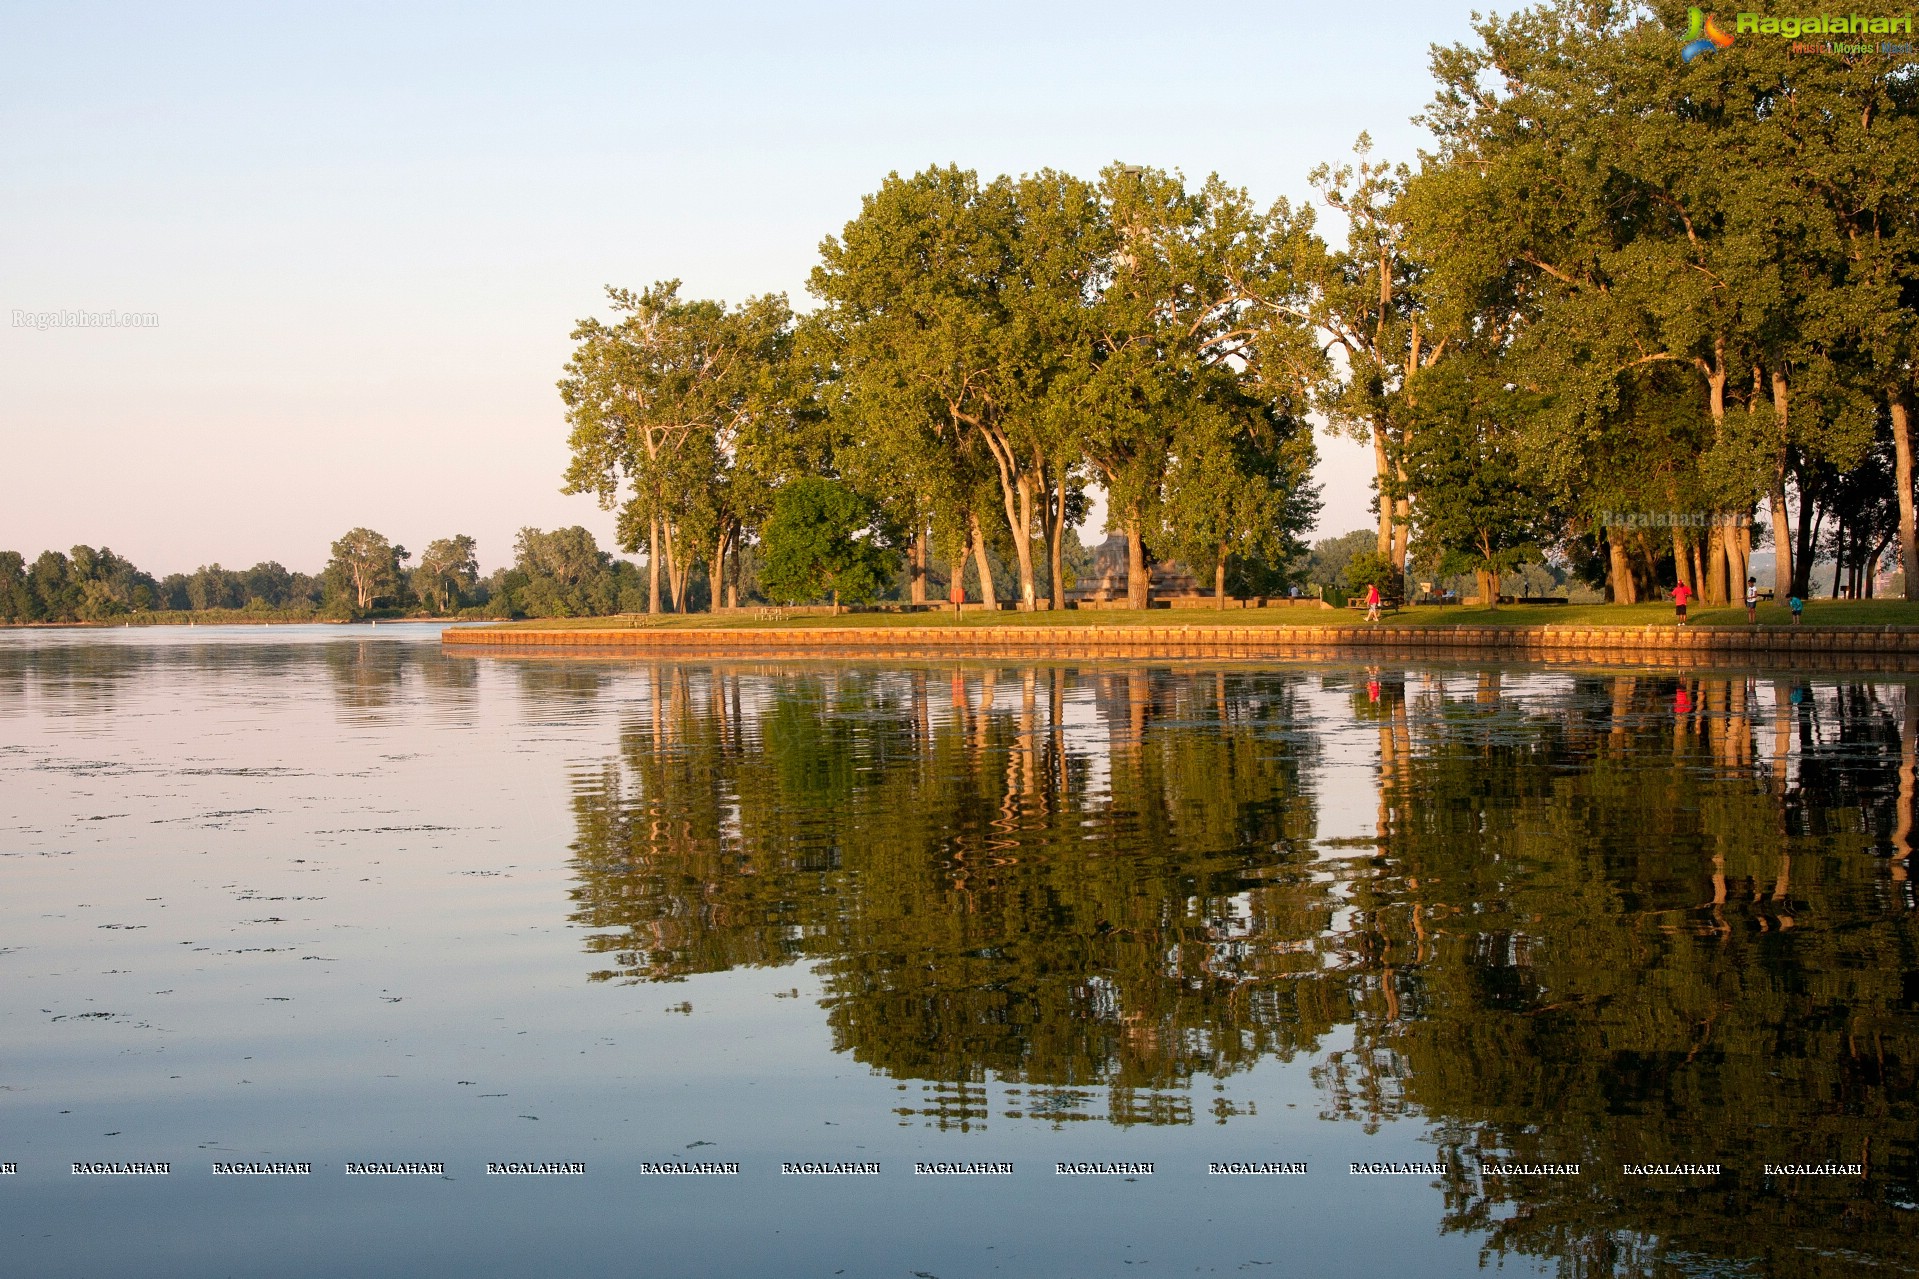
(1841, 647)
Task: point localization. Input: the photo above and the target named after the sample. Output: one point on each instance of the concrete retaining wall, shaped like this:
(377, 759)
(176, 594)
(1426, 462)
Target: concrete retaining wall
(1884, 647)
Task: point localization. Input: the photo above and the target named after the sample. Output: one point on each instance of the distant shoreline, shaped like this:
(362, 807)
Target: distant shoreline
(148, 620)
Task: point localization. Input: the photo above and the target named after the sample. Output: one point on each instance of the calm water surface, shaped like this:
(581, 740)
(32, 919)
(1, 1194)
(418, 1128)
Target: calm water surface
(279, 895)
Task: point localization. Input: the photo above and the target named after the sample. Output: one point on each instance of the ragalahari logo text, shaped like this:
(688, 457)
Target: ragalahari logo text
(1703, 35)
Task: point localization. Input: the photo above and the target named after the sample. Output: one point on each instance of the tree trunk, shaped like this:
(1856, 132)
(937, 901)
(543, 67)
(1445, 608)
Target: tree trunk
(675, 575)
(1219, 580)
(1809, 520)
(653, 566)
(718, 575)
(1382, 477)
(733, 577)
(1023, 543)
(1056, 548)
(988, 596)
(956, 585)
(1048, 531)
(1402, 528)
(916, 567)
(1016, 499)
(1488, 593)
(1735, 560)
(1742, 543)
(1620, 573)
(1139, 585)
(1715, 587)
(1902, 455)
(1645, 565)
(1682, 560)
(1782, 576)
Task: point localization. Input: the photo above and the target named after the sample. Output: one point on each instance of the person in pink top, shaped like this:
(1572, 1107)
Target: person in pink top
(1680, 594)
(1372, 601)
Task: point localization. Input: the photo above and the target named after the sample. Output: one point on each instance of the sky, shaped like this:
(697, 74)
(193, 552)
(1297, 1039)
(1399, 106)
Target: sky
(364, 233)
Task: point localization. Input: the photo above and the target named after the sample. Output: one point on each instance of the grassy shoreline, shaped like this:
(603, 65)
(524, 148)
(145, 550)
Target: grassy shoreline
(1819, 615)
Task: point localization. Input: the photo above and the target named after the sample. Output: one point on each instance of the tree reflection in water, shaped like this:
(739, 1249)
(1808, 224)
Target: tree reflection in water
(979, 898)
(1644, 920)
(1603, 920)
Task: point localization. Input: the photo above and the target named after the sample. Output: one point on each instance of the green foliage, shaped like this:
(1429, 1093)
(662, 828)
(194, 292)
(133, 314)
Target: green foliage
(1370, 568)
(1238, 492)
(819, 541)
(1704, 270)
(88, 585)
(1326, 564)
(17, 602)
(564, 573)
(364, 571)
(448, 575)
(684, 415)
(1477, 511)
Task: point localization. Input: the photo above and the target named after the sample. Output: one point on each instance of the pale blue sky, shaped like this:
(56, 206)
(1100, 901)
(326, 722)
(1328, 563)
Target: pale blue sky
(367, 229)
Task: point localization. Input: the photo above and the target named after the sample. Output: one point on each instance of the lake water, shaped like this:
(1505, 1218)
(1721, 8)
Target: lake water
(333, 897)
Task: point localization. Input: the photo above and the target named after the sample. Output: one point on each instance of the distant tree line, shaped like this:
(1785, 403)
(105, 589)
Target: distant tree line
(562, 573)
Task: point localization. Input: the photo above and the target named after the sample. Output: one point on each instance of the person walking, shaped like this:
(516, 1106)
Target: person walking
(1372, 601)
(1798, 607)
(1680, 594)
(1752, 601)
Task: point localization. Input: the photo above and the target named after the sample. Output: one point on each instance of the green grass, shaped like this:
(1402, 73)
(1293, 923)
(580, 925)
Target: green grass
(1818, 613)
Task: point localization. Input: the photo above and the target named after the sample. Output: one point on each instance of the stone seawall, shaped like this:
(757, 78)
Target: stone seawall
(1874, 647)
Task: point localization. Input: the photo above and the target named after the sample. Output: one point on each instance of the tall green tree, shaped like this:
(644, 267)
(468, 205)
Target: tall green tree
(17, 602)
(564, 573)
(365, 569)
(448, 573)
(924, 295)
(1201, 292)
(820, 540)
(677, 411)
(1478, 511)
(1239, 490)
(1370, 301)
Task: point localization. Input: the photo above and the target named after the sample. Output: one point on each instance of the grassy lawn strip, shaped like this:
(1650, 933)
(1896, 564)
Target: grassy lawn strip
(1818, 613)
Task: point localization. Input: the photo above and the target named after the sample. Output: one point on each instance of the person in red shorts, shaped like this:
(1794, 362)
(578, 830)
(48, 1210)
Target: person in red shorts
(1680, 594)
